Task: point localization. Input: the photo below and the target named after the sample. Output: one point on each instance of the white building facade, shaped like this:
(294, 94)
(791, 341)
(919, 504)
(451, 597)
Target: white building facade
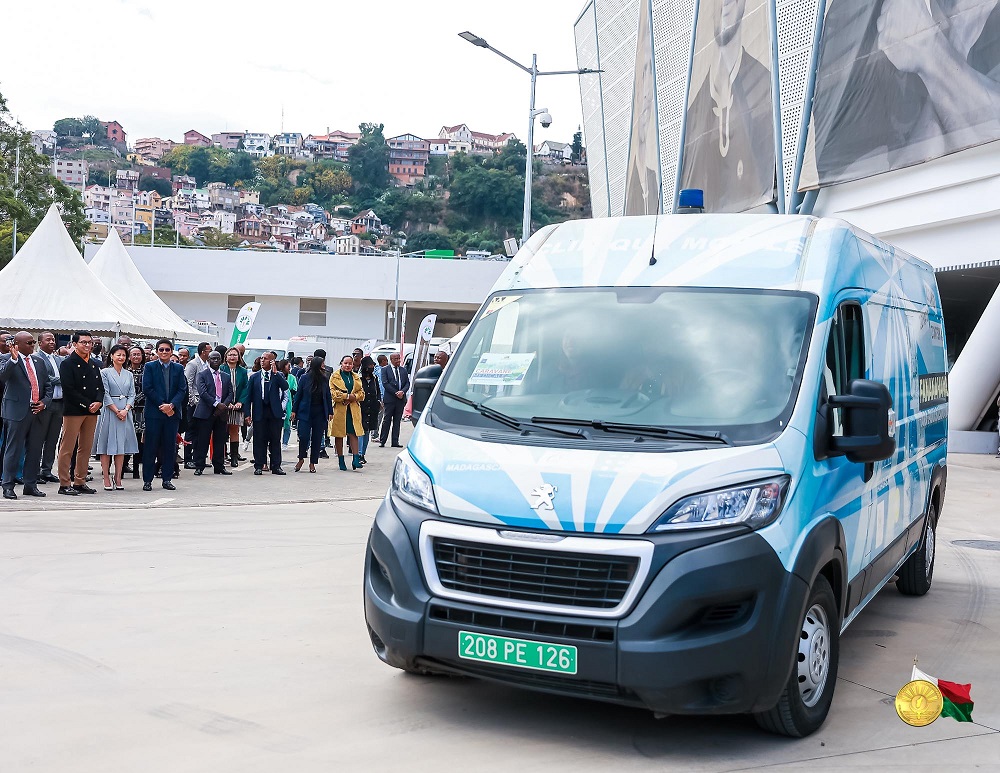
(328, 296)
(258, 144)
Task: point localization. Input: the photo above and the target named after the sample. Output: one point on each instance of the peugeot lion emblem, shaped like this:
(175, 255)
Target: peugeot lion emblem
(543, 497)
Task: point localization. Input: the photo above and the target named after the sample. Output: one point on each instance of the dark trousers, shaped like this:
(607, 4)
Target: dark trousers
(189, 426)
(311, 436)
(22, 438)
(267, 436)
(159, 445)
(216, 429)
(51, 427)
(394, 416)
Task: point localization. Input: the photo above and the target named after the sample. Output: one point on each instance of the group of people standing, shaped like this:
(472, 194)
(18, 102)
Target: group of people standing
(346, 404)
(135, 405)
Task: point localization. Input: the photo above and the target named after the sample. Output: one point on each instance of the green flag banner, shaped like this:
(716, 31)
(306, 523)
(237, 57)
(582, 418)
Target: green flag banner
(244, 321)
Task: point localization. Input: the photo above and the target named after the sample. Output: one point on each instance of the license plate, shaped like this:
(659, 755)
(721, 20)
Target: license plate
(519, 653)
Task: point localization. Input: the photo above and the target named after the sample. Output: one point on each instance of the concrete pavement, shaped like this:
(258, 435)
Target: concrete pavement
(230, 637)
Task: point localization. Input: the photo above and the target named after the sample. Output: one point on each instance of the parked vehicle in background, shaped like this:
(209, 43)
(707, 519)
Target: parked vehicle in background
(302, 346)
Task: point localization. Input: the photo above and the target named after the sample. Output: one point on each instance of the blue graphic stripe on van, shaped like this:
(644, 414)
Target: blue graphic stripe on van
(597, 492)
(638, 497)
(495, 492)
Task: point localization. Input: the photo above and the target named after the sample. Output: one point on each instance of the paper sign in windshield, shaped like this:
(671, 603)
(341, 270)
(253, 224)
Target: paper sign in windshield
(498, 369)
(498, 303)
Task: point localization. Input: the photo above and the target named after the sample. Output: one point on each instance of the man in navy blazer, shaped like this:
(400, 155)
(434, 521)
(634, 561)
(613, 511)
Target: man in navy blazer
(395, 383)
(266, 413)
(165, 389)
(211, 415)
(27, 394)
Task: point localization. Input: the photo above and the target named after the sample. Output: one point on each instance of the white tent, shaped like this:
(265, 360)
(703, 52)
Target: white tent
(449, 346)
(114, 267)
(47, 286)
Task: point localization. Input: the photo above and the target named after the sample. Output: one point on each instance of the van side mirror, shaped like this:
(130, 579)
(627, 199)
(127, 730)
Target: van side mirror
(869, 422)
(423, 385)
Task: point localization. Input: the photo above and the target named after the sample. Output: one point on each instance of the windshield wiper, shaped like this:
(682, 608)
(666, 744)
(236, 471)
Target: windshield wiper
(510, 421)
(653, 430)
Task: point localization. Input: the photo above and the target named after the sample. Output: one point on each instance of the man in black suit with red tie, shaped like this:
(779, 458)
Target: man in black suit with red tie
(27, 393)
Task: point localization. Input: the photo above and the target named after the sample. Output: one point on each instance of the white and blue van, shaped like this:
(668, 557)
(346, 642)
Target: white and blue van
(670, 462)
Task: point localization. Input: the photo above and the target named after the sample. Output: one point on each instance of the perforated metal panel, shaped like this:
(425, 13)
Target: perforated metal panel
(673, 21)
(614, 49)
(796, 30)
(617, 33)
(588, 55)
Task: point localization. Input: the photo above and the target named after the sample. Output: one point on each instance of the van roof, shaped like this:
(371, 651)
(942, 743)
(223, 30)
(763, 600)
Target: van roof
(788, 252)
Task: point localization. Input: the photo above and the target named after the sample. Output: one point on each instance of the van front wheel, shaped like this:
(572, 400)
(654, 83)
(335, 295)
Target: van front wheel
(916, 574)
(805, 702)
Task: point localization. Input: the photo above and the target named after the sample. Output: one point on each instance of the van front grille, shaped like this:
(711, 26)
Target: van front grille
(520, 626)
(537, 576)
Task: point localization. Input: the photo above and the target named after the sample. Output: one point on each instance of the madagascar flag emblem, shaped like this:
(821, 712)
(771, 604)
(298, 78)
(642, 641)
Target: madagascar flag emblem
(957, 698)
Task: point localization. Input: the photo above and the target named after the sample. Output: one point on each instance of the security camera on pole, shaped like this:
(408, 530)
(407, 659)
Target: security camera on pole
(542, 115)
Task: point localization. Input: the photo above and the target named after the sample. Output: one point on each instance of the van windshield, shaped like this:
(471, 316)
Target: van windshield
(727, 361)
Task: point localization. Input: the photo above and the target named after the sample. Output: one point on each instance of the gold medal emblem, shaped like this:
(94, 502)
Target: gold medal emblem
(918, 703)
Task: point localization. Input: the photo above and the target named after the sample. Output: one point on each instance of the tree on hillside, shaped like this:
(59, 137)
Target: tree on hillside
(511, 157)
(36, 189)
(149, 183)
(403, 208)
(327, 179)
(488, 195)
(92, 125)
(428, 240)
(213, 237)
(209, 165)
(369, 162)
(577, 147)
(68, 127)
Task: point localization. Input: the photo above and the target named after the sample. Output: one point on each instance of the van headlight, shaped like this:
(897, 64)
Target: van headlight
(754, 505)
(412, 484)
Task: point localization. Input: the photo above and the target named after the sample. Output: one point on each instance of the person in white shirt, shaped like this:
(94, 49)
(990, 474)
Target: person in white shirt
(51, 418)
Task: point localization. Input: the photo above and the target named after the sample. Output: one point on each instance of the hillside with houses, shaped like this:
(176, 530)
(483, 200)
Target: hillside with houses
(339, 191)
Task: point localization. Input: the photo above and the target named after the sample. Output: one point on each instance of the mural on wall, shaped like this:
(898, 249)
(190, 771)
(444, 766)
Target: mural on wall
(900, 82)
(643, 190)
(729, 147)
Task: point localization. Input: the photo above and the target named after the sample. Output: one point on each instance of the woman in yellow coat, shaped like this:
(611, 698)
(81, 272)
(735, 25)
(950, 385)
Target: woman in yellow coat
(347, 394)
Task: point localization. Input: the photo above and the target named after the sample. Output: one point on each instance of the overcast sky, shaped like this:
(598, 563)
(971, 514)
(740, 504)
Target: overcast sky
(162, 68)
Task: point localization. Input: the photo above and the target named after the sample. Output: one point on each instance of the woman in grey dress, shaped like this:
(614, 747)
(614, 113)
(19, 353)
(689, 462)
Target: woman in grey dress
(115, 435)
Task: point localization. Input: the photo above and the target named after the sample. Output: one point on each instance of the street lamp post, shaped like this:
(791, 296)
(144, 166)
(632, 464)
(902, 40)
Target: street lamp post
(543, 113)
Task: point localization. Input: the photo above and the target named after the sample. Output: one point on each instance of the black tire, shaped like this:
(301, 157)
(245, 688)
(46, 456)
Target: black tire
(805, 702)
(917, 573)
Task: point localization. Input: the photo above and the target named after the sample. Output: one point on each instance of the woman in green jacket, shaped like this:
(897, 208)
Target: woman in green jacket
(241, 388)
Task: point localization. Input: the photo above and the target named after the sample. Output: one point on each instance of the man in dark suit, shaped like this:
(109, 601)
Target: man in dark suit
(266, 413)
(51, 418)
(211, 415)
(27, 393)
(395, 383)
(165, 389)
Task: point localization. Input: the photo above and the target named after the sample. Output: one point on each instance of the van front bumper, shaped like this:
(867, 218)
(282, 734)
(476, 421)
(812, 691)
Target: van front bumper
(713, 630)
